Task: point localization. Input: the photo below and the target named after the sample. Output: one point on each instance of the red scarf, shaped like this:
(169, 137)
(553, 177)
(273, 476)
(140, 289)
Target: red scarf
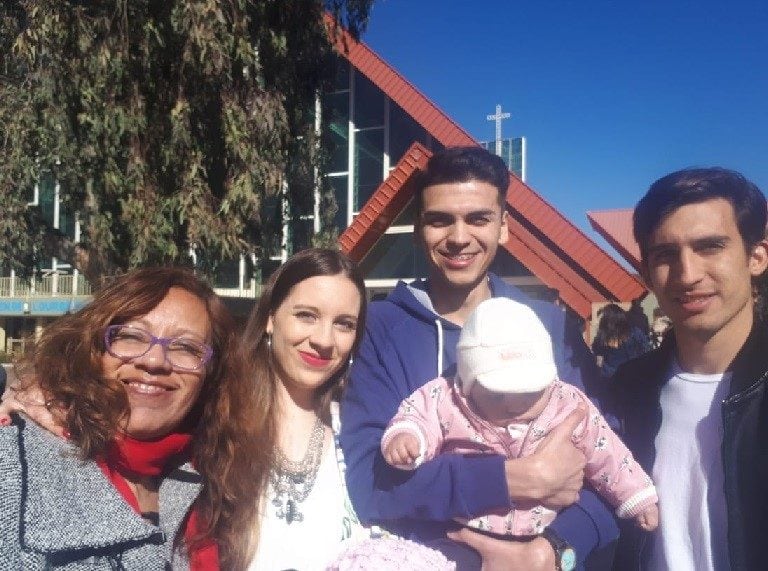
(130, 457)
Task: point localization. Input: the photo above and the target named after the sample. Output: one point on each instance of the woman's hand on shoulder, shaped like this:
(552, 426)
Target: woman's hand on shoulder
(31, 402)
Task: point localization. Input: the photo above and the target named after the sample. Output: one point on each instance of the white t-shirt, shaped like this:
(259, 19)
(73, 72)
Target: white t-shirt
(689, 478)
(312, 543)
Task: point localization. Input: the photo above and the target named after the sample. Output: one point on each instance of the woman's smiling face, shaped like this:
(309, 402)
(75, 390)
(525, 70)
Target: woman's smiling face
(159, 394)
(313, 331)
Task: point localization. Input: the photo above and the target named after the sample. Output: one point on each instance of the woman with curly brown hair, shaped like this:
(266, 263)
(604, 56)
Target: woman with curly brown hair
(157, 468)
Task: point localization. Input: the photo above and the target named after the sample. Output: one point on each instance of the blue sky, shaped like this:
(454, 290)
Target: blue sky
(610, 95)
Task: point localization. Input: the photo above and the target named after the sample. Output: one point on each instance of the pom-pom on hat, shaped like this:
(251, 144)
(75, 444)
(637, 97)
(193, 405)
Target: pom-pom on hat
(505, 348)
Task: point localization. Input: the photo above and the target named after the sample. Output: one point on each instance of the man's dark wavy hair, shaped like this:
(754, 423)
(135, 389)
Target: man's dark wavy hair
(462, 164)
(690, 186)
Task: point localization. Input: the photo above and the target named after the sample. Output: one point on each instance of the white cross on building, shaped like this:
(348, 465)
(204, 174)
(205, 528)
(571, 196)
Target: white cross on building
(498, 117)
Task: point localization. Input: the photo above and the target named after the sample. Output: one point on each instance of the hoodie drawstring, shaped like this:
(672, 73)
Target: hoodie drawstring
(439, 326)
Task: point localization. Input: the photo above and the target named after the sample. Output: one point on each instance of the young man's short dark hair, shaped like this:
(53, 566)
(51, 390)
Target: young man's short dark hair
(690, 186)
(462, 164)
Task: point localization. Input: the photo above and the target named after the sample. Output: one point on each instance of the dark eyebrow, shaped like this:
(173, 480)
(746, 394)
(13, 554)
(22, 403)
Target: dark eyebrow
(442, 214)
(305, 306)
(701, 241)
(713, 239)
(663, 246)
(486, 212)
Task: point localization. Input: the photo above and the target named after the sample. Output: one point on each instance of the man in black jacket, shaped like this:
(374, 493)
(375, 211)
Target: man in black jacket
(694, 411)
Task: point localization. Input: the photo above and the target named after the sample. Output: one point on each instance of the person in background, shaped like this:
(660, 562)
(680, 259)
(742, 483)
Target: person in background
(695, 411)
(637, 317)
(617, 340)
(410, 338)
(659, 327)
(3, 378)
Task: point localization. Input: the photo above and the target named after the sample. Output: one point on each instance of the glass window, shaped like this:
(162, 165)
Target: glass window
(505, 264)
(337, 111)
(369, 103)
(341, 74)
(369, 164)
(394, 256)
(407, 216)
(403, 132)
(300, 233)
(47, 193)
(227, 274)
(265, 268)
(272, 220)
(515, 162)
(340, 192)
(67, 221)
(45, 263)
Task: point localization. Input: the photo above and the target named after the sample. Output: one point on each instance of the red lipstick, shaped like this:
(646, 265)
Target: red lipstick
(313, 360)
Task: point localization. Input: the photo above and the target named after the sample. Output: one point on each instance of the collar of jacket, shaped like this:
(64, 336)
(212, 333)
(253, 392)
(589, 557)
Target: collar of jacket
(404, 295)
(68, 503)
(749, 366)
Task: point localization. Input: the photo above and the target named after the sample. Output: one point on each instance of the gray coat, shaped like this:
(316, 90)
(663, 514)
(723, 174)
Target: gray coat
(58, 512)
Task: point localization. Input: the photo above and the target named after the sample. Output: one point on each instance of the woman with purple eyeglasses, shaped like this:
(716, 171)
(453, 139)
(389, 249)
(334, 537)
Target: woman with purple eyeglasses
(154, 472)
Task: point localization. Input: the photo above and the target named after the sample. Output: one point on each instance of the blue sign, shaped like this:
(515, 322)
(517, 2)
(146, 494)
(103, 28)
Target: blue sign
(55, 306)
(11, 307)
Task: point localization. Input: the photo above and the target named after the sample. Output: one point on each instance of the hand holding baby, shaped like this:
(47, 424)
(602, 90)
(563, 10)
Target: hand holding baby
(402, 450)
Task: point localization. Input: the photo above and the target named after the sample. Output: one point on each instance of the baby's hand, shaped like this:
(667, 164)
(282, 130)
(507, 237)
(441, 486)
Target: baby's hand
(649, 519)
(402, 451)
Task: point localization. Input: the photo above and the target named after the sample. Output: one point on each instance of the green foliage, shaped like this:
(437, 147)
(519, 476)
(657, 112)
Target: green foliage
(168, 124)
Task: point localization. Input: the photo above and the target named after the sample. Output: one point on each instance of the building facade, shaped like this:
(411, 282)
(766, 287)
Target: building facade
(374, 118)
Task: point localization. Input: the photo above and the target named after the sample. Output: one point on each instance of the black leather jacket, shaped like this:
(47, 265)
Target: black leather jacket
(634, 399)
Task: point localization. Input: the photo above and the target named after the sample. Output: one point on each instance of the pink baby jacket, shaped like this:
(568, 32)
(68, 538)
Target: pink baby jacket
(439, 416)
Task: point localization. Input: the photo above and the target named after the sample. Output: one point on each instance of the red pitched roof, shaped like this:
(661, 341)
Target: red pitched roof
(542, 239)
(616, 227)
(384, 205)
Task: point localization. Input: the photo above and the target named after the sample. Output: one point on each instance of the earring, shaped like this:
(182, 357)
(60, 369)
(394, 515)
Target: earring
(348, 370)
(269, 341)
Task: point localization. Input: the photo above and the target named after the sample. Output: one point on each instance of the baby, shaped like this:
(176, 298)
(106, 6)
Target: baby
(504, 400)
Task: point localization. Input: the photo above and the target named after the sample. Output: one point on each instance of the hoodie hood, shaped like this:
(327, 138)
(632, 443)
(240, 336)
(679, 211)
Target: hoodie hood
(414, 302)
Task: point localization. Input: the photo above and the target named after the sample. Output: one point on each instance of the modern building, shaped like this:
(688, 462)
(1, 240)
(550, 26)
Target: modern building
(514, 153)
(383, 129)
(27, 305)
(545, 253)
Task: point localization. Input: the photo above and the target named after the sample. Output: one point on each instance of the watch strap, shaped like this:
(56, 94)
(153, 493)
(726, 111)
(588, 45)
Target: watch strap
(565, 556)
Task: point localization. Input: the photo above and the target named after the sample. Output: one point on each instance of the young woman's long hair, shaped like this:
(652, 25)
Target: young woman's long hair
(257, 356)
(66, 363)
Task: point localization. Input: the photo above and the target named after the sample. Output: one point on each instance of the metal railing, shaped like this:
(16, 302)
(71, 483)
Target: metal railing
(253, 291)
(64, 285)
(47, 286)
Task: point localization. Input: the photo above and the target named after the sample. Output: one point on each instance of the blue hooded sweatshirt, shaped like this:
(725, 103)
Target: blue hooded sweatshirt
(405, 345)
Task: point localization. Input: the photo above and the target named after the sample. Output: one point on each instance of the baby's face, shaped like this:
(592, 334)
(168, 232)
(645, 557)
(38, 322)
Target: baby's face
(502, 409)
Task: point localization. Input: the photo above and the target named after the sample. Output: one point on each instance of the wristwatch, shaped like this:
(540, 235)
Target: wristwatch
(565, 556)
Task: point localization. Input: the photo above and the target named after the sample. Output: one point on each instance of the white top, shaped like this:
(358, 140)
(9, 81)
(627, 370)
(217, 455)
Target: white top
(689, 478)
(312, 543)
